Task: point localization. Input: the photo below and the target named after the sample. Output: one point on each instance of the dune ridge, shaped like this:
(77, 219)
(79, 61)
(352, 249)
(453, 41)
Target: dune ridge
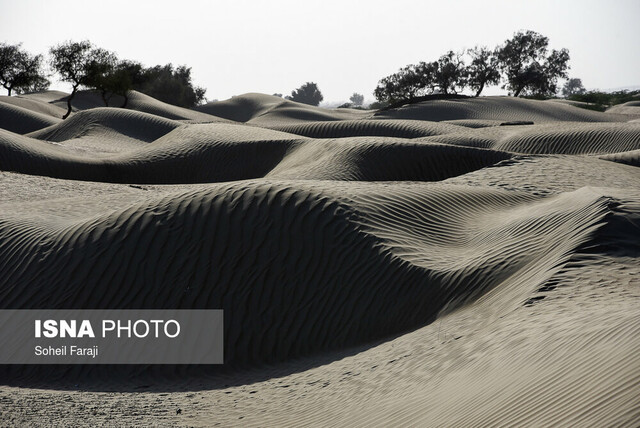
(498, 108)
(106, 252)
(22, 120)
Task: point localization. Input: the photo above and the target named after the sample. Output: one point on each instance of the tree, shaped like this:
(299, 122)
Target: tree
(21, 71)
(120, 79)
(357, 99)
(309, 93)
(450, 74)
(101, 73)
(170, 85)
(407, 84)
(75, 63)
(483, 69)
(524, 61)
(573, 87)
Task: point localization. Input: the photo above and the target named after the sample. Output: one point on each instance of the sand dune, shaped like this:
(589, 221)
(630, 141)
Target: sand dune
(23, 120)
(242, 108)
(267, 109)
(202, 153)
(551, 138)
(84, 100)
(377, 128)
(498, 108)
(451, 263)
(630, 158)
(631, 108)
(35, 105)
(305, 220)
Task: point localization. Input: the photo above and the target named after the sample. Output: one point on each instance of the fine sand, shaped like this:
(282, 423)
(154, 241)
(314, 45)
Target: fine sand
(468, 262)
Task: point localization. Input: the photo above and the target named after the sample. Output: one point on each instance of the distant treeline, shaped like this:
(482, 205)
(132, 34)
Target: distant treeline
(600, 101)
(86, 66)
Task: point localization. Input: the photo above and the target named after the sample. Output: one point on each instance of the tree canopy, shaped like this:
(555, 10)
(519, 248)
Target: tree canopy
(450, 74)
(309, 93)
(527, 68)
(357, 99)
(523, 61)
(573, 87)
(86, 66)
(20, 71)
(483, 69)
(169, 84)
(79, 63)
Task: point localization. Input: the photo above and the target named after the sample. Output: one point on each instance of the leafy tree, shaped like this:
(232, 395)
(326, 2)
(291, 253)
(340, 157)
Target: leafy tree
(101, 74)
(170, 85)
(78, 64)
(483, 69)
(450, 75)
(21, 71)
(528, 68)
(357, 99)
(573, 87)
(119, 80)
(407, 84)
(85, 66)
(309, 93)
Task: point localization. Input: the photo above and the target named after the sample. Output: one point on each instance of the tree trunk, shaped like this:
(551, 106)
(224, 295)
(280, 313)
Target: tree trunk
(73, 93)
(8, 92)
(126, 100)
(480, 90)
(104, 97)
(517, 92)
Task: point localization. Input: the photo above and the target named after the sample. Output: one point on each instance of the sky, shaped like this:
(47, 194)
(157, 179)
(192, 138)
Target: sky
(346, 46)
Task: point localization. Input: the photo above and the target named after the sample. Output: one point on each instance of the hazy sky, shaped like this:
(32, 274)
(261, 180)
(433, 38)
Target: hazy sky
(345, 46)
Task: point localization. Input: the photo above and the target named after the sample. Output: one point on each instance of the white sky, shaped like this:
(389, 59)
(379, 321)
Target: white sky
(346, 46)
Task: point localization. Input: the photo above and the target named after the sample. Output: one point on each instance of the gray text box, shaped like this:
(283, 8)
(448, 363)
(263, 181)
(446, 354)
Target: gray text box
(87, 336)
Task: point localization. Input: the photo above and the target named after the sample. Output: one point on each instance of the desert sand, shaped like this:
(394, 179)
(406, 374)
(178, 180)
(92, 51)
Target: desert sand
(467, 262)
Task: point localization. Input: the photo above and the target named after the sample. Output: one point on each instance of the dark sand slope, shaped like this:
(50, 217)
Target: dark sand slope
(630, 158)
(199, 153)
(274, 253)
(21, 120)
(440, 264)
(377, 128)
(34, 104)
